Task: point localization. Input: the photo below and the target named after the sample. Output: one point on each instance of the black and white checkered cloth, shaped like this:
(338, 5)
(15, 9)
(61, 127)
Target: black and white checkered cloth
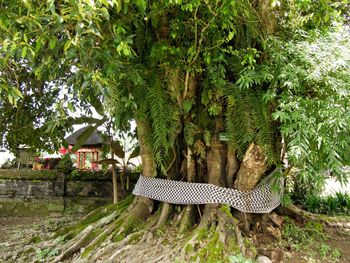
(260, 200)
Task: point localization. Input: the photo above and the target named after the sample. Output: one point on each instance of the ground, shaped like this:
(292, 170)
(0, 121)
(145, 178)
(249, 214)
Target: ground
(21, 240)
(18, 234)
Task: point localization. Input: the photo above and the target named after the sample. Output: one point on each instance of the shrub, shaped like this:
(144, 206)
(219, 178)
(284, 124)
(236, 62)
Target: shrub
(330, 205)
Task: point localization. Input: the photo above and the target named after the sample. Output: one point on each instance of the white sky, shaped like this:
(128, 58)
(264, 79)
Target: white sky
(4, 156)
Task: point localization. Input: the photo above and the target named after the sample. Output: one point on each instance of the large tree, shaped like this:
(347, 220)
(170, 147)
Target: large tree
(221, 91)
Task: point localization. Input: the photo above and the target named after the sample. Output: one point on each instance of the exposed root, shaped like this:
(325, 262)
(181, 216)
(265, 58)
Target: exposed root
(116, 254)
(100, 238)
(187, 220)
(164, 215)
(303, 216)
(110, 248)
(179, 217)
(217, 236)
(112, 223)
(73, 230)
(84, 237)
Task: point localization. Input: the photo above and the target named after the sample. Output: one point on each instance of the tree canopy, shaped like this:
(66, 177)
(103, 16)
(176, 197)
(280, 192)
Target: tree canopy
(263, 68)
(223, 92)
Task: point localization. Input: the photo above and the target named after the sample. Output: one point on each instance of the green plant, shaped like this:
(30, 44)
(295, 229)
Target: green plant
(74, 174)
(138, 168)
(335, 254)
(324, 250)
(314, 227)
(293, 233)
(330, 205)
(65, 165)
(46, 253)
(343, 199)
(313, 203)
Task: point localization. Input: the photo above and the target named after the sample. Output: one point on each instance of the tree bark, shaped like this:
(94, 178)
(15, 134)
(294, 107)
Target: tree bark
(253, 166)
(115, 183)
(148, 164)
(267, 16)
(231, 167)
(189, 214)
(214, 166)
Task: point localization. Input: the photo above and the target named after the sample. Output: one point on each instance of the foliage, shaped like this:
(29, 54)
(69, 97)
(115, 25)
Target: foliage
(310, 238)
(81, 175)
(26, 123)
(125, 147)
(65, 165)
(46, 253)
(311, 87)
(247, 120)
(189, 70)
(339, 204)
(299, 236)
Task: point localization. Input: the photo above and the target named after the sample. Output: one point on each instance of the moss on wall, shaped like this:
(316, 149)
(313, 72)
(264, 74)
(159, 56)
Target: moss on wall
(30, 207)
(14, 174)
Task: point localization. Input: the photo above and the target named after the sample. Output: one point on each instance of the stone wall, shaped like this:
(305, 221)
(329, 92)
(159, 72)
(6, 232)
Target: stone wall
(50, 183)
(24, 192)
(31, 188)
(91, 188)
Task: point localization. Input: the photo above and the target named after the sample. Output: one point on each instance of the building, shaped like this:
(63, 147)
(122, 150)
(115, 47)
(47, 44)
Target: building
(89, 152)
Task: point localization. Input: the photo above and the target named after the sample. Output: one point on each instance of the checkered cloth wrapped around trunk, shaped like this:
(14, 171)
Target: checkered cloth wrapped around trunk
(263, 199)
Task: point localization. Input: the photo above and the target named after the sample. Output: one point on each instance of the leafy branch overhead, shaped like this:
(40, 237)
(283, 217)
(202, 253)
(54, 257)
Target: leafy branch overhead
(222, 91)
(189, 70)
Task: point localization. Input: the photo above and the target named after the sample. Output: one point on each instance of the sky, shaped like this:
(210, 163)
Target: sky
(4, 156)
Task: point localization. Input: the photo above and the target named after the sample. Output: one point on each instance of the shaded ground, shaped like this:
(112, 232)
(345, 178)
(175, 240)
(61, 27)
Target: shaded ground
(22, 235)
(310, 243)
(307, 243)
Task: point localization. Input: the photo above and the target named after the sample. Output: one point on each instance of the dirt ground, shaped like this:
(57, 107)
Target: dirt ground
(332, 245)
(19, 232)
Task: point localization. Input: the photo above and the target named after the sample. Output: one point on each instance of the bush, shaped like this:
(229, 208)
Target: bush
(330, 205)
(65, 165)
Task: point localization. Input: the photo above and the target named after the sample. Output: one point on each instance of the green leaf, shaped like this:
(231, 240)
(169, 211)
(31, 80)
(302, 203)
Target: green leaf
(27, 4)
(67, 45)
(117, 149)
(187, 106)
(135, 152)
(53, 42)
(97, 104)
(24, 51)
(70, 106)
(214, 109)
(17, 92)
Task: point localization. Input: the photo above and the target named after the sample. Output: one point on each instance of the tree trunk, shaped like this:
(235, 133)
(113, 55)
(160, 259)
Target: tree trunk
(252, 168)
(231, 167)
(115, 183)
(189, 214)
(148, 164)
(122, 181)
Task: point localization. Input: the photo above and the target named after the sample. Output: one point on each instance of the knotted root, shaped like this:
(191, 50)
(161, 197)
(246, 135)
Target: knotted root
(216, 237)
